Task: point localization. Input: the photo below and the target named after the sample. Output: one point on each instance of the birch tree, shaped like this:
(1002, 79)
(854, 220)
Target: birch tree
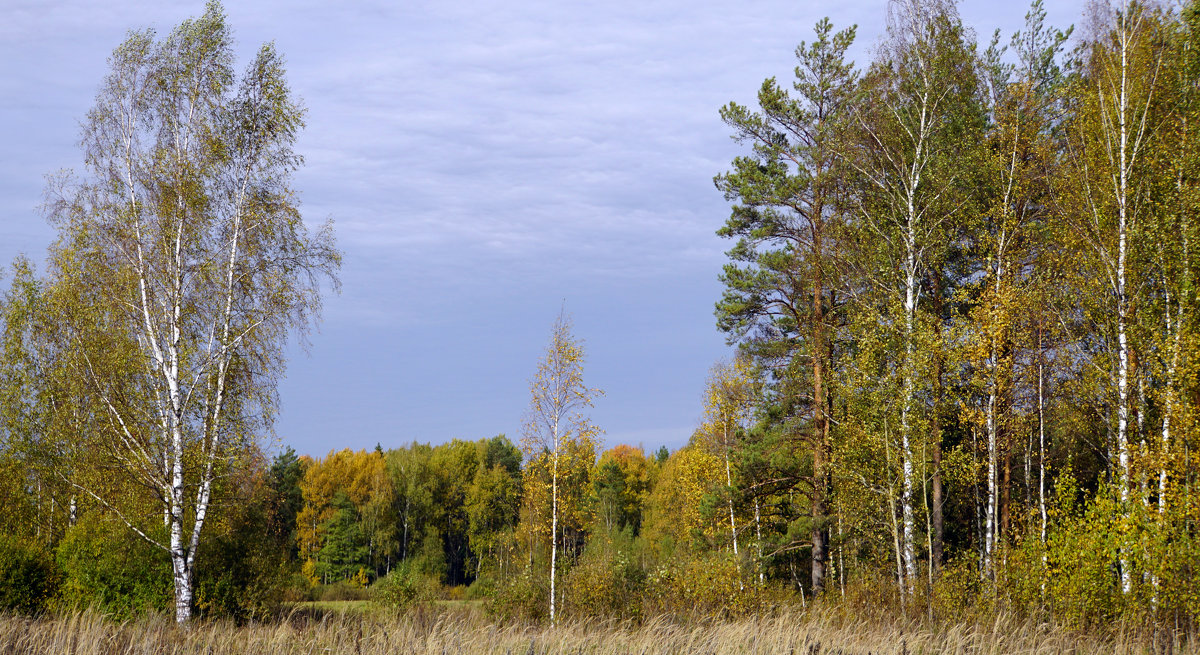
(916, 119)
(1019, 156)
(728, 407)
(185, 236)
(555, 424)
(1174, 236)
(1111, 135)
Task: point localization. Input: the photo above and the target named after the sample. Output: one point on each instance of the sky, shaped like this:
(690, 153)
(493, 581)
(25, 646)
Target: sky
(485, 165)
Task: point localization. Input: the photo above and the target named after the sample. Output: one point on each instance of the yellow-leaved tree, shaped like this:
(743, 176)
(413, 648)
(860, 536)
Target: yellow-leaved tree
(556, 430)
(729, 400)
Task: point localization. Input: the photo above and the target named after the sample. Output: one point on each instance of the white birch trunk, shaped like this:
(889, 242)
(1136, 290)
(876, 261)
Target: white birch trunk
(1041, 405)
(989, 524)
(1122, 337)
(554, 521)
(909, 482)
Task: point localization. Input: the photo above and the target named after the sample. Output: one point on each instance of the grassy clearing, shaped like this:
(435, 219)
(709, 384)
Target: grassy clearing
(436, 631)
(318, 607)
(334, 606)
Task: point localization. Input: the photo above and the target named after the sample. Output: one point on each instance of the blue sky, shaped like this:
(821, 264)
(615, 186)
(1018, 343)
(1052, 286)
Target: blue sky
(483, 163)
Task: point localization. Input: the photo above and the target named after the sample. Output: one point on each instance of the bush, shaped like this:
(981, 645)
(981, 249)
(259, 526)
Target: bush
(956, 593)
(711, 586)
(29, 578)
(404, 586)
(605, 583)
(238, 577)
(106, 566)
(296, 588)
(340, 590)
(525, 596)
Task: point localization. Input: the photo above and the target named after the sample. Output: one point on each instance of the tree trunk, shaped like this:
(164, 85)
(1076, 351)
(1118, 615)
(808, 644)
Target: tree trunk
(554, 523)
(1122, 318)
(758, 536)
(820, 407)
(182, 574)
(936, 556)
(729, 488)
(989, 526)
(909, 482)
(1006, 490)
(1041, 407)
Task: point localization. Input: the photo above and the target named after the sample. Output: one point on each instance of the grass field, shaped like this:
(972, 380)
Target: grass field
(368, 607)
(347, 627)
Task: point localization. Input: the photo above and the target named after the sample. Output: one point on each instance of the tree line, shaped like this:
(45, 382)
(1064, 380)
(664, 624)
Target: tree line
(961, 292)
(964, 277)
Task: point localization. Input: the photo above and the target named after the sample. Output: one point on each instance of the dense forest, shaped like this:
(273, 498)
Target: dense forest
(967, 371)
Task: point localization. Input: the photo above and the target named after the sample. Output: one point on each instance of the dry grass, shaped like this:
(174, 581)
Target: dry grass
(438, 632)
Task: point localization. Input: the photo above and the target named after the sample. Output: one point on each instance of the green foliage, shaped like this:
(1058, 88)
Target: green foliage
(249, 556)
(500, 452)
(29, 577)
(1082, 558)
(405, 585)
(345, 546)
(286, 472)
(524, 596)
(108, 567)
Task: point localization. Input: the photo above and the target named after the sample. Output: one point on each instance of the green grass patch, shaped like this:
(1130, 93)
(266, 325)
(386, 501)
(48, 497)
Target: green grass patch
(338, 606)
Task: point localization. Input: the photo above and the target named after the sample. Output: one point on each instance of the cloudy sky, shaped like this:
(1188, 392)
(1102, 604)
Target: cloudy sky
(484, 162)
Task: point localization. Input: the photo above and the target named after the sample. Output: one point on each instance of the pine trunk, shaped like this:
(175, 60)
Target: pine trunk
(820, 408)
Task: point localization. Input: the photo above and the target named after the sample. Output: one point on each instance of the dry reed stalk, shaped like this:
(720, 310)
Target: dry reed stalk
(430, 633)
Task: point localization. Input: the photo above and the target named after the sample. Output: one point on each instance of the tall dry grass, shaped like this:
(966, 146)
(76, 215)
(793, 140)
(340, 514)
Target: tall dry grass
(440, 633)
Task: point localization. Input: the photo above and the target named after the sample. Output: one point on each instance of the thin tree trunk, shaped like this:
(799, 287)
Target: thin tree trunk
(989, 526)
(980, 511)
(899, 554)
(1122, 310)
(729, 488)
(841, 556)
(554, 527)
(909, 484)
(820, 407)
(1041, 406)
(1006, 491)
(758, 537)
(936, 548)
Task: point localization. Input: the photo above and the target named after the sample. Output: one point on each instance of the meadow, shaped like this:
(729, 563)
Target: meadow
(438, 630)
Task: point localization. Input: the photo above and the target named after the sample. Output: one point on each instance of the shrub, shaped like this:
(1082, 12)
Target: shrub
(956, 593)
(525, 596)
(29, 578)
(340, 590)
(239, 577)
(107, 566)
(606, 582)
(711, 586)
(404, 586)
